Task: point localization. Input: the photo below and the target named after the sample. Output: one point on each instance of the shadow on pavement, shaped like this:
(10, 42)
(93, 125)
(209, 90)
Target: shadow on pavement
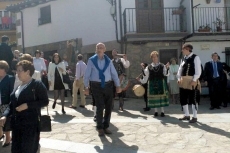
(172, 120)
(62, 118)
(117, 145)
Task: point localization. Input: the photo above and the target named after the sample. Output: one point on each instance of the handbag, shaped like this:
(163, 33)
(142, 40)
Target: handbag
(45, 122)
(66, 78)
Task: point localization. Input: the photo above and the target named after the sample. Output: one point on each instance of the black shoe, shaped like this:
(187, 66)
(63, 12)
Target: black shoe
(225, 105)
(211, 108)
(185, 118)
(95, 118)
(63, 111)
(193, 120)
(5, 145)
(147, 109)
(156, 114)
(82, 106)
(162, 114)
(218, 107)
(54, 104)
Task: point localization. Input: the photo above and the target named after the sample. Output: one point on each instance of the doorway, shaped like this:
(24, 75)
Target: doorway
(150, 16)
(167, 54)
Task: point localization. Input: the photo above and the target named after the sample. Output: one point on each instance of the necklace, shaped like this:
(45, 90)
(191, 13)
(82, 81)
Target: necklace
(27, 82)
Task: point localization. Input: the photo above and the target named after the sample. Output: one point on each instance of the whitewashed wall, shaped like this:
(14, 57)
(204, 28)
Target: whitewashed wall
(205, 55)
(89, 20)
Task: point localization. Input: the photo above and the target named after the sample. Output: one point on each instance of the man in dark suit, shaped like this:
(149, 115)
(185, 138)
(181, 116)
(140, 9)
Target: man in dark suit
(224, 96)
(5, 52)
(213, 76)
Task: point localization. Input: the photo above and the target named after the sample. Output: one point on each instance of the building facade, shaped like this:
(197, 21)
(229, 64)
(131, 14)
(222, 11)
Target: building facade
(8, 20)
(134, 27)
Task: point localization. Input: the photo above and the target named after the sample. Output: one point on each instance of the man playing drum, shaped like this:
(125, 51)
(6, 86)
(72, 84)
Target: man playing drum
(188, 80)
(120, 65)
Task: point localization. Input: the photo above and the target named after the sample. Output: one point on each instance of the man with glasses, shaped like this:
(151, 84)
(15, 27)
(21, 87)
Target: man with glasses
(100, 72)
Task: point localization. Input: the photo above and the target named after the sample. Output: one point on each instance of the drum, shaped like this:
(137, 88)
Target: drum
(124, 83)
(138, 90)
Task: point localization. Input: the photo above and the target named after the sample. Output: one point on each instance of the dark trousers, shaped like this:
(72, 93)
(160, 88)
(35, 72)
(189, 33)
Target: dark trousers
(145, 95)
(103, 99)
(224, 92)
(189, 96)
(215, 92)
(25, 139)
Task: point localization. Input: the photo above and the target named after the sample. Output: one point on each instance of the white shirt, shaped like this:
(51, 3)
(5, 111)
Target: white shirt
(197, 64)
(146, 71)
(125, 63)
(66, 63)
(19, 90)
(39, 64)
(80, 69)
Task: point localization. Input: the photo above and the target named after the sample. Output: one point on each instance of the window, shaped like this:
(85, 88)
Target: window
(45, 15)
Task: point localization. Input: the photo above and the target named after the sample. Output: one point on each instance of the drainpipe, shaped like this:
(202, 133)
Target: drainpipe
(115, 20)
(192, 16)
(22, 30)
(121, 29)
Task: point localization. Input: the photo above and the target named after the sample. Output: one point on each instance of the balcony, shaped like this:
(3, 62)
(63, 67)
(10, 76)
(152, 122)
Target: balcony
(155, 24)
(7, 23)
(211, 19)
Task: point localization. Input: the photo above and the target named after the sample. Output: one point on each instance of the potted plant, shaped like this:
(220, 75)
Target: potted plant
(219, 23)
(208, 1)
(203, 28)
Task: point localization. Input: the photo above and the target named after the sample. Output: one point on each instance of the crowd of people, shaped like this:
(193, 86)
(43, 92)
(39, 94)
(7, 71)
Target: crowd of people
(24, 81)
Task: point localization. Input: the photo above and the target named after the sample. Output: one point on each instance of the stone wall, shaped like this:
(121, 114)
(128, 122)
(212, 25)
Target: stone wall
(138, 53)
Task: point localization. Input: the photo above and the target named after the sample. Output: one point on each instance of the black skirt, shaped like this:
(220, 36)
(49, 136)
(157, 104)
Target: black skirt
(58, 84)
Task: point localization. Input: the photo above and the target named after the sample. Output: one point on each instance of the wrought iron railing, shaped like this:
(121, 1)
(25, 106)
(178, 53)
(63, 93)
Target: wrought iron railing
(211, 19)
(155, 20)
(7, 23)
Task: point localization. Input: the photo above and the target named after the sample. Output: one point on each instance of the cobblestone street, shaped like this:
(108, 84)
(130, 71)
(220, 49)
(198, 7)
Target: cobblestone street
(136, 131)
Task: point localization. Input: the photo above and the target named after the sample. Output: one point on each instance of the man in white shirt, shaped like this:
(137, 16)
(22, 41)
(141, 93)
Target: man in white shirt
(79, 83)
(188, 79)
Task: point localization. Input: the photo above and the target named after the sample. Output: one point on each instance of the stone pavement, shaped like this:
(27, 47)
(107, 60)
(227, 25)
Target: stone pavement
(136, 131)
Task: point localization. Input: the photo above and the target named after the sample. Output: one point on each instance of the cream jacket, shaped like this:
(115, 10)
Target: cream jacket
(51, 74)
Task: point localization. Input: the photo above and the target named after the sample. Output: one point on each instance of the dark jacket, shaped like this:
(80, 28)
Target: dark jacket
(208, 71)
(6, 53)
(35, 95)
(6, 88)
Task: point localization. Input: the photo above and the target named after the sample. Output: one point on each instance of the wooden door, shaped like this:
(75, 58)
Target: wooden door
(150, 16)
(167, 54)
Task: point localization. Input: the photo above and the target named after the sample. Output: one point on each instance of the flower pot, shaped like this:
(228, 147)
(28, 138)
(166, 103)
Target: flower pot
(177, 12)
(218, 29)
(208, 1)
(203, 30)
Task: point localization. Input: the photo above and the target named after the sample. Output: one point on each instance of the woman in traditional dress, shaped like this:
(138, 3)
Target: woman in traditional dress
(157, 89)
(173, 85)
